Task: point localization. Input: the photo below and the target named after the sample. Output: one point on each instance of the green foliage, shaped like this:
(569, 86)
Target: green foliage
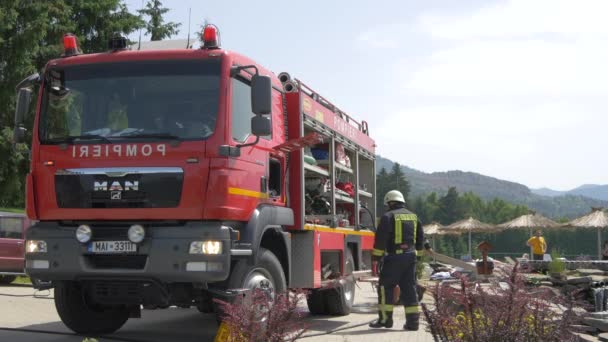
(395, 180)
(556, 265)
(156, 26)
(30, 35)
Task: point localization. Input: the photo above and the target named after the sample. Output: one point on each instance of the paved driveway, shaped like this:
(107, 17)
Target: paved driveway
(18, 309)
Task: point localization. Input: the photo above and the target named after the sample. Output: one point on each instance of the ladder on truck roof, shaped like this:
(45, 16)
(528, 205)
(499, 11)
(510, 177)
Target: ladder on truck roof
(327, 104)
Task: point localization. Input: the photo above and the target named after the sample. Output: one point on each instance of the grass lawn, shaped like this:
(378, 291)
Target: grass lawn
(22, 280)
(13, 210)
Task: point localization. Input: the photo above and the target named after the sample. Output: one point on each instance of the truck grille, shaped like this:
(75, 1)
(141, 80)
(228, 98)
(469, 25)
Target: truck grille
(131, 262)
(132, 188)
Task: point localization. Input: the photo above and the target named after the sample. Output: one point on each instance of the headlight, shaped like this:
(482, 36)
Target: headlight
(136, 233)
(206, 247)
(84, 233)
(36, 246)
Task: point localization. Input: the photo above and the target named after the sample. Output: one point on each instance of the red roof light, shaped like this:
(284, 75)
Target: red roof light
(211, 37)
(70, 45)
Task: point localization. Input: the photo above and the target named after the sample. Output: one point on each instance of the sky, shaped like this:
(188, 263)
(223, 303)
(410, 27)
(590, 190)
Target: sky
(515, 90)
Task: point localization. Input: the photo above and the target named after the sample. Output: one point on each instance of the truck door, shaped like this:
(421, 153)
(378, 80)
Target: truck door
(250, 169)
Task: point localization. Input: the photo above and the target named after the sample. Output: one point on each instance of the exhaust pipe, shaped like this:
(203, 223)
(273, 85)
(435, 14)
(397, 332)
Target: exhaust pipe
(290, 87)
(284, 77)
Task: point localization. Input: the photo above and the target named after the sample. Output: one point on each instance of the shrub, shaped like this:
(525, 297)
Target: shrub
(508, 311)
(258, 317)
(556, 265)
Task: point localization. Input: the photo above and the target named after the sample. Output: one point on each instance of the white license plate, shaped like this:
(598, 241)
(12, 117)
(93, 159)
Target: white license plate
(112, 247)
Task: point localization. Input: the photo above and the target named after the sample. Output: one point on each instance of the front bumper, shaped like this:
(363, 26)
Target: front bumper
(163, 256)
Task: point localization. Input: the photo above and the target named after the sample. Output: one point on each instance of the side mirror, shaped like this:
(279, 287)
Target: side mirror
(261, 126)
(24, 96)
(261, 95)
(19, 135)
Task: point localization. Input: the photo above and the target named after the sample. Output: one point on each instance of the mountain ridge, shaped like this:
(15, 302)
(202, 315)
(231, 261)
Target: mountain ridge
(567, 205)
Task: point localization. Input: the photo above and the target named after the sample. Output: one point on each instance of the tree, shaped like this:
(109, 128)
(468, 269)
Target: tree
(30, 35)
(155, 26)
(398, 181)
(382, 187)
(450, 207)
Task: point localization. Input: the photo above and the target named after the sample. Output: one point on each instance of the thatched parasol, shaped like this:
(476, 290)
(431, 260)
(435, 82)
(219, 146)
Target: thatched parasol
(432, 229)
(470, 225)
(596, 219)
(530, 221)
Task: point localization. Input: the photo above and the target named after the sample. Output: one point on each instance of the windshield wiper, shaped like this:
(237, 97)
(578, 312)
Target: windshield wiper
(74, 138)
(150, 135)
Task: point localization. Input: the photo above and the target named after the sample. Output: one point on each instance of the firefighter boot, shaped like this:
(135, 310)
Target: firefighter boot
(387, 323)
(411, 321)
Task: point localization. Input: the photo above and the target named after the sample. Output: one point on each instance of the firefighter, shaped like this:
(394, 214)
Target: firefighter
(398, 240)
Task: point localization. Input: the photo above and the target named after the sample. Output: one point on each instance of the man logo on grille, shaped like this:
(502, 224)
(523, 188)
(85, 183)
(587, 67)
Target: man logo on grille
(116, 195)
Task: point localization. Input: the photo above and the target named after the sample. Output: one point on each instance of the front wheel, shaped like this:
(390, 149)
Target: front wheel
(83, 317)
(267, 274)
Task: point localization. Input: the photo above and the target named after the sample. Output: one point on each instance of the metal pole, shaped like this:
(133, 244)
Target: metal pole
(599, 244)
(470, 255)
(531, 253)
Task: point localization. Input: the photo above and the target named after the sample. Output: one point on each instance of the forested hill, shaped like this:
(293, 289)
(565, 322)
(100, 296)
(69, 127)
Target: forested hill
(489, 188)
(588, 190)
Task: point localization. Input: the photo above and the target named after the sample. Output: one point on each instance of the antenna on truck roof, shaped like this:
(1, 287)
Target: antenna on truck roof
(189, 16)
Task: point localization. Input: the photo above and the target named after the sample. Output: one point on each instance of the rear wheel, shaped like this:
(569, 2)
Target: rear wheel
(339, 300)
(83, 317)
(7, 279)
(316, 302)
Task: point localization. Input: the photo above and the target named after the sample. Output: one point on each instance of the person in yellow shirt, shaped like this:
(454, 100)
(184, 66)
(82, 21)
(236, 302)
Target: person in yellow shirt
(538, 244)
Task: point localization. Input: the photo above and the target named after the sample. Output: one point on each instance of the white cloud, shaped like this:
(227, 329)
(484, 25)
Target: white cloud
(514, 67)
(522, 17)
(380, 37)
(515, 90)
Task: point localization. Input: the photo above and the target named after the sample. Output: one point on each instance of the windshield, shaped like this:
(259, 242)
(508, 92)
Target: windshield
(128, 100)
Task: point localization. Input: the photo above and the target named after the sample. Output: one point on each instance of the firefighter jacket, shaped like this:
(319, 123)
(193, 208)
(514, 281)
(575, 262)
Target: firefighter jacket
(399, 232)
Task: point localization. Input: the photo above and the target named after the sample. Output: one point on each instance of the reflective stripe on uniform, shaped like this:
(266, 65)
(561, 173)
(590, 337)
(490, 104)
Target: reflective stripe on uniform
(399, 218)
(377, 252)
(412, 309)
(398, 231)
(386, 308)
(382, 304)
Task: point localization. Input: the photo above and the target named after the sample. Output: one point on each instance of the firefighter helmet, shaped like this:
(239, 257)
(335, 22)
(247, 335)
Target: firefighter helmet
(393, 196)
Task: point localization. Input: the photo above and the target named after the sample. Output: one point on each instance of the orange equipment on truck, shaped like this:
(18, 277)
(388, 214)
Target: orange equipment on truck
(172, 177)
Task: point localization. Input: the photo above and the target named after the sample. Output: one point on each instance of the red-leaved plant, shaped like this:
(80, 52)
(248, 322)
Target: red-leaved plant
(258, 317)
(507, 311)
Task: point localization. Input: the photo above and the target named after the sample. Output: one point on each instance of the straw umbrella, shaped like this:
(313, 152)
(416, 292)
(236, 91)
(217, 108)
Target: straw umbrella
(530, 221)
(435, 229)
(470, 225)
(596, 219)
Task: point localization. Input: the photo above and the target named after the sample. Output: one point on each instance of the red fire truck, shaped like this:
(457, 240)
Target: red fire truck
(172, 177)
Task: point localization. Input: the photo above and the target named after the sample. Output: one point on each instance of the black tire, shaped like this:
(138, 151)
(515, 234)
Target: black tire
(339, 300)
(7, 279)
(267, 265)
(316, 302)
(83, 318)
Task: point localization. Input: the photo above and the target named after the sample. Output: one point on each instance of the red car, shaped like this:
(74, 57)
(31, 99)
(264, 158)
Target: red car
(12, 245)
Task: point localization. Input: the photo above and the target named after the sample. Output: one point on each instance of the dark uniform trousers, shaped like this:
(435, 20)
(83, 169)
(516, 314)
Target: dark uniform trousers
(399, 266)
(398, 269)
